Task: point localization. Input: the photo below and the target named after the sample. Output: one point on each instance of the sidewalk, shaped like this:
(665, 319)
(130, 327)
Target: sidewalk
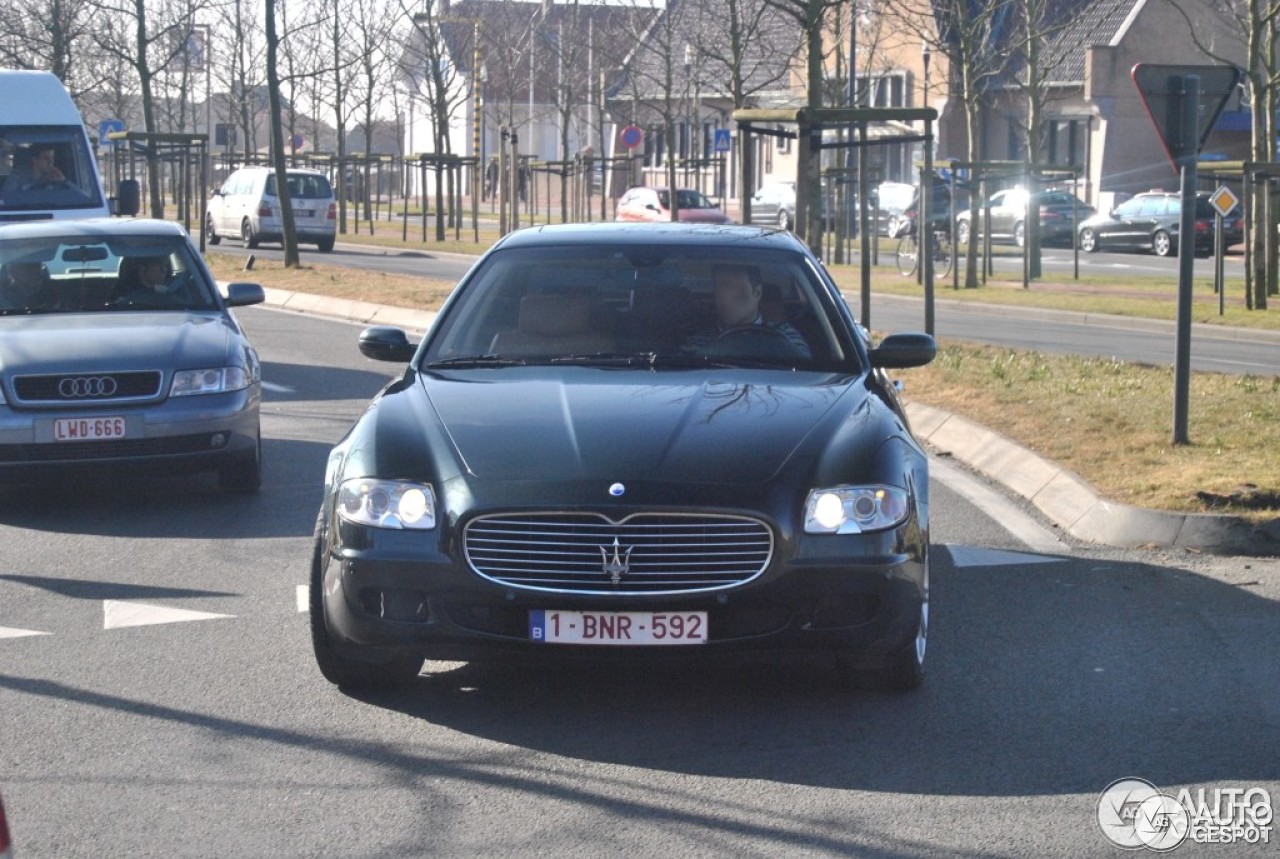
(1062, 496)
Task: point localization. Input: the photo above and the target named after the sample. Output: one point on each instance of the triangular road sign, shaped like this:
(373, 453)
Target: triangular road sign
(1161, 88)
(117, 614)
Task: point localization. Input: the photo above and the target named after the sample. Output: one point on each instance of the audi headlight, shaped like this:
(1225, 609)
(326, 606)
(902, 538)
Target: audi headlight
(855, 509)
(387, 503)
(216, 380)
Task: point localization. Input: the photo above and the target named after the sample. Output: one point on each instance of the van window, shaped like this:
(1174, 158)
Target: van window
(46, 167)
(302, 186)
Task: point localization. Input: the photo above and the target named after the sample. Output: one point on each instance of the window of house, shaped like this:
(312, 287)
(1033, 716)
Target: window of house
(1065, 142)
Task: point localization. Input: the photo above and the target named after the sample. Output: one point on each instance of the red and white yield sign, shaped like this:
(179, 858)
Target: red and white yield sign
(1162, 88)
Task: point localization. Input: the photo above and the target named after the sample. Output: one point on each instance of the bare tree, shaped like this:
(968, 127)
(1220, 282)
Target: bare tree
(52, 35)
(149, 38)
(974, 35)
(1255, 24)
(287, 225)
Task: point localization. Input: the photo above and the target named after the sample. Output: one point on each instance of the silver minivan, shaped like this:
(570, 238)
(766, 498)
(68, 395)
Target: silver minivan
(248, 205)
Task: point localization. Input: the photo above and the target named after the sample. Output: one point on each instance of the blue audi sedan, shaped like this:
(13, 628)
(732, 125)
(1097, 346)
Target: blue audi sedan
(117, 350)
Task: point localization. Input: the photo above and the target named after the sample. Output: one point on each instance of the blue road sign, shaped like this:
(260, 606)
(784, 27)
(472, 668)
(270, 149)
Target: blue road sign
(723, 140)
(106, 127)
(631, 137)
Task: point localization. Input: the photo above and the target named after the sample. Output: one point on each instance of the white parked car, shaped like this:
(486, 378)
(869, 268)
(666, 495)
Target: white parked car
(248, 206)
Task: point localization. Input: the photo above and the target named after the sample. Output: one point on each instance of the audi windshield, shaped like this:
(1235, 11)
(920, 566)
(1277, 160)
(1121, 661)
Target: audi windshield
(101, 273)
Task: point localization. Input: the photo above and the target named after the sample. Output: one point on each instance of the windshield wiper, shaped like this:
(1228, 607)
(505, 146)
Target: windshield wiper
(607, 359)
(469, 361)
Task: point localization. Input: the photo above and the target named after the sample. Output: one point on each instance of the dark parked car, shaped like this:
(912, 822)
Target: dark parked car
(1152, 222)
(593, 451)
(116, 349)
(1008, 214)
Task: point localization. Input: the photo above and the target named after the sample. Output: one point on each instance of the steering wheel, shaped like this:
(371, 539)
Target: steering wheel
(49, 185)
(757, 341)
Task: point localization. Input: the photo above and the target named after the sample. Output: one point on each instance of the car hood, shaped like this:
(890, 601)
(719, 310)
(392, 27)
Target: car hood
(82, 342)
(585, 424)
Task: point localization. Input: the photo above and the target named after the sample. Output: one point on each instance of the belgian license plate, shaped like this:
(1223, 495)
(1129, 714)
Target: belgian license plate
(618, 627)
(303, 213)
(88, 429)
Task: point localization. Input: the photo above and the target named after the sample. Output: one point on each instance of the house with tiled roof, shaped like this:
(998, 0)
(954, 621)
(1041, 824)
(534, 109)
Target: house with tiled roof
(1094, 118)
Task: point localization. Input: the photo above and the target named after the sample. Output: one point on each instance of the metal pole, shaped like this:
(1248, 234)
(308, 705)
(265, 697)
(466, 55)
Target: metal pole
(1218, 252)
(1188, 104)
(926, 232)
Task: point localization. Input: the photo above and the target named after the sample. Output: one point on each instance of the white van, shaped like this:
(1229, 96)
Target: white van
(248, 206)
(47, 168)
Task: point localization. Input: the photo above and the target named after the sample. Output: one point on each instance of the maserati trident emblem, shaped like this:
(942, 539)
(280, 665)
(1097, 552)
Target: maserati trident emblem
(619, 565)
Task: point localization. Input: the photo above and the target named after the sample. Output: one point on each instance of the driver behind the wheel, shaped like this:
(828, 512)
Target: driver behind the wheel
(737, 289)
(33, 168)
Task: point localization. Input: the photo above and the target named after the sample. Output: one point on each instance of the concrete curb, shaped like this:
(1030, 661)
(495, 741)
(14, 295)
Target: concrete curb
(1062, 496)
(1067, 500)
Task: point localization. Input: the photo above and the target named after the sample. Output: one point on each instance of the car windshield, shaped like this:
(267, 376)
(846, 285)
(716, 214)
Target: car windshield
(96, 274)
(687, 199)
(46, 167)
(303, 186)
(643, 306)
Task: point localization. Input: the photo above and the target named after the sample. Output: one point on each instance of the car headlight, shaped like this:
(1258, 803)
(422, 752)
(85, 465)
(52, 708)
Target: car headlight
(212, 381)
(855, 509)
(387, 503)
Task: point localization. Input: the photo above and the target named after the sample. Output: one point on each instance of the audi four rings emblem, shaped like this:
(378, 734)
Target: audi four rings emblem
(84, 387)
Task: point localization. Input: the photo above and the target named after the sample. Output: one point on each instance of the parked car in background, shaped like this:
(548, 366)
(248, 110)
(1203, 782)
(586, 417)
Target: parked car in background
(1008, 214)
(893, 199)
(775, 203)
(118, 351)
(645, 203)
(619, 440)
(1152, 222)
(247, 206)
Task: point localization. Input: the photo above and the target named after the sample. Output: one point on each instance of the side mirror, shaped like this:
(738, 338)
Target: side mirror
(128, 199)
(384, 343)
(242, 294)
(900, 351)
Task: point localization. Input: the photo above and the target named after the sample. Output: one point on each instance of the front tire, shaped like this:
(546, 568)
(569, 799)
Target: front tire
(210, 234)
(1020, 234)
(908, 255)
(247, 236)
(784, 219)
(1088, 241)
(336, 666)
(962, 233)
(1162, 244)
(245, 475)
(906, 669)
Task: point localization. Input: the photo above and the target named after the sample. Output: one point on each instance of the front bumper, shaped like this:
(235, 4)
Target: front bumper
(180, 434)
(853, 595)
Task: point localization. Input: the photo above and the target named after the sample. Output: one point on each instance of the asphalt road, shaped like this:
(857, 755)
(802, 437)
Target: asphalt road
(1051, 675)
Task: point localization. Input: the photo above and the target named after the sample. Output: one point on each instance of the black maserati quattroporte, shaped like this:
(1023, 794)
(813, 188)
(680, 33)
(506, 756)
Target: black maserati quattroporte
(627, 440)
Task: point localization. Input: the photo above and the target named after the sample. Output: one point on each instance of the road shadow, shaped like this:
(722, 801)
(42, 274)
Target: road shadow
(1044, 679)
(95, 591)
(118, 503)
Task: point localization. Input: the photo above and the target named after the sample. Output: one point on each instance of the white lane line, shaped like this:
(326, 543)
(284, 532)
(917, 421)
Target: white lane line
(117, 614)
(303, 597)
(1002, 511)
(278, 389)
(13, 632)
(979, 556)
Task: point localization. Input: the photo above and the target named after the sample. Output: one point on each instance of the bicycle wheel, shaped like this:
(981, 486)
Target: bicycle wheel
(908, 255)
(944, 255)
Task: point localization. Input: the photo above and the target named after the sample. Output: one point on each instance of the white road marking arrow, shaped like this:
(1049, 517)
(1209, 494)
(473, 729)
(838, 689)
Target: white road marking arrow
(117, 614)
(279, 389)
(974, 556)
(11, 632)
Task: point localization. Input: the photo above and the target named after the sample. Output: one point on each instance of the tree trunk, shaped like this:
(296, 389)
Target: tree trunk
(287, 225)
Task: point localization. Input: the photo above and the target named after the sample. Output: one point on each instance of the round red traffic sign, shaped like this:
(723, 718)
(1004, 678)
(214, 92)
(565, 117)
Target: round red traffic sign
(631, 137)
